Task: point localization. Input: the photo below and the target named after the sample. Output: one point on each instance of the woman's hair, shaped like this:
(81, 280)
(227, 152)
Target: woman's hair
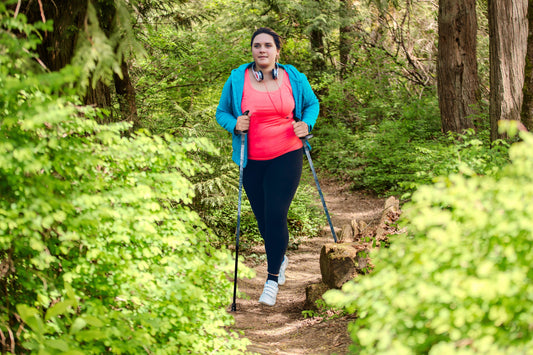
(268, 31)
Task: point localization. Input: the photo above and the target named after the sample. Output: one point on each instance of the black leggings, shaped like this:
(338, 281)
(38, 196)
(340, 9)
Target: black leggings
(270, 186)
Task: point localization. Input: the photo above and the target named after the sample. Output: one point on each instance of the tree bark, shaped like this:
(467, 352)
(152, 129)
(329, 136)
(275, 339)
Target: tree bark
(57, 48)
(347, 34)
(126, 96)
(508, 29)
(319, 54)
(527, 104)
(458, 82)
(99, 96)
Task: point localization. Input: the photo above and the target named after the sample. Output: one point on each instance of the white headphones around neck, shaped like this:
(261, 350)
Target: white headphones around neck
(259, 74)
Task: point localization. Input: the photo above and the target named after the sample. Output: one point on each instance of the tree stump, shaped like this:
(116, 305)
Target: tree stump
(314, 293)
(391, 213)
(347, 234)
(344, 261)
(340, 263)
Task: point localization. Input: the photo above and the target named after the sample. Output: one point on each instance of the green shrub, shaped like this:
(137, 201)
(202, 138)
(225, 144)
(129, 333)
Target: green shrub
(469, 154)
(99, 252)
(405, 151)
(460, 281)
(337, 150)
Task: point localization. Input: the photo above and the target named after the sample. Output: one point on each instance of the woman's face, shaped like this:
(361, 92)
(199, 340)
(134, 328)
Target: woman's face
(264, 51)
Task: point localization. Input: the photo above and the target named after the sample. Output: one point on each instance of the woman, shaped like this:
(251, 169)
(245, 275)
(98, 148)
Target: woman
(281, 108)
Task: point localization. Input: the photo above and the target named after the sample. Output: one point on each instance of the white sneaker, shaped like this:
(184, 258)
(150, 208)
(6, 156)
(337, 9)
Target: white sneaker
(281, 277)
(269, 293)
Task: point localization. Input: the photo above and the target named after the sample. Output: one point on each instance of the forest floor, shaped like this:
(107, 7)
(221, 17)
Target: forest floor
(283, 329)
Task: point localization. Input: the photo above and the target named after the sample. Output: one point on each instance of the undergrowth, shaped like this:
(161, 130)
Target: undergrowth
(324, 311)
(404, 150)
(459, 280)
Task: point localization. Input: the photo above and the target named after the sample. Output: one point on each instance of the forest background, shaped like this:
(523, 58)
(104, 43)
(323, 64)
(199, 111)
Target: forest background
(118, 194)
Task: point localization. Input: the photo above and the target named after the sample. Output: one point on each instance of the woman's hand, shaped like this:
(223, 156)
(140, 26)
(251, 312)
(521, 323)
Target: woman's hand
(300, 129)
(243, 122)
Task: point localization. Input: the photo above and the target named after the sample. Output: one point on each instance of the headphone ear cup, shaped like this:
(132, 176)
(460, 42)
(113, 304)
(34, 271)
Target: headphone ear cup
(275, 72)
(257, 74)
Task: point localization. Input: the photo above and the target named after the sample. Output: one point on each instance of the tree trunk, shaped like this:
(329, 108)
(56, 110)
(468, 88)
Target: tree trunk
(99, 96)
(527, 104)
(319, 55)
(126, 96)
(458, 82)
(125, 91)
(347, 34)
(57, 47)
(508, 29)
(316, 37)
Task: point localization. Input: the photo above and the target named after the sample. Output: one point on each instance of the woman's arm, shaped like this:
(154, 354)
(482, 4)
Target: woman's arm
(224, 114)
(310, 103)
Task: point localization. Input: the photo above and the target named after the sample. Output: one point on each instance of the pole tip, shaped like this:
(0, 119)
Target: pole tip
(234, 307)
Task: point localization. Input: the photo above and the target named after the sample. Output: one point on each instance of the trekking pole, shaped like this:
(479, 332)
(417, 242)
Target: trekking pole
(238, 229)
(308, 154)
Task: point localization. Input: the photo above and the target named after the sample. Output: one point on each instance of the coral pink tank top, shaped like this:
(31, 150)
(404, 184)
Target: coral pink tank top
(270, 134)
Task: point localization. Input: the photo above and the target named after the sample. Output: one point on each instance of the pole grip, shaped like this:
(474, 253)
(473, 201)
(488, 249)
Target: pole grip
(243, 132)
(309, 136)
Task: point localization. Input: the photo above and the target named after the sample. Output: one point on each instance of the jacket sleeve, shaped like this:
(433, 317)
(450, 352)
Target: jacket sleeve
(224, 115)
(310, 103)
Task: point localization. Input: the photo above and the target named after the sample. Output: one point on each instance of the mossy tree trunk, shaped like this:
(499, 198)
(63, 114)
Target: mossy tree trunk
(346, 34)
(58, 49)
(126, 96)
(318, 50)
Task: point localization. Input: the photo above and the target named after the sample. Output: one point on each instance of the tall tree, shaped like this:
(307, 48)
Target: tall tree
(508, 29)
(316, 37)
(458, 82)
(317, 27)
(58, 46)
(346, 33)
(126, 95)
(99, 24)
(527, 104)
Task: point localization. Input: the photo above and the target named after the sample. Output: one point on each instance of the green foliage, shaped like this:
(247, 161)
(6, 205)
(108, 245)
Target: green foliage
(178, 84)
(460, 281)
(373, 124)
(468, 154)
(107, 38)
(397, 146)
(99, 252)
(336, 150)
(323, 311)
(391, 151)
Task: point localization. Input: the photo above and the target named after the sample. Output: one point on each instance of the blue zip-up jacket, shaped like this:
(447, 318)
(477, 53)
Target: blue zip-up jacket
(306, 105)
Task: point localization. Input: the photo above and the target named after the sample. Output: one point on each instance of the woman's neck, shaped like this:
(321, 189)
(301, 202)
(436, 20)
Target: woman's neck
(268, 83)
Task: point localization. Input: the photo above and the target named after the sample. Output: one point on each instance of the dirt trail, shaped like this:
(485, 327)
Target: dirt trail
(282, 329)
